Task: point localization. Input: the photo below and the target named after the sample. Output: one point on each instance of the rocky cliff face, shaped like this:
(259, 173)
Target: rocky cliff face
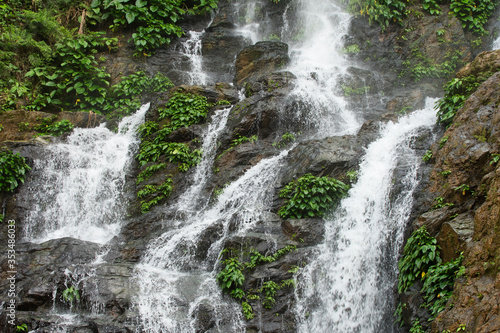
(465, 176)
(46, 270)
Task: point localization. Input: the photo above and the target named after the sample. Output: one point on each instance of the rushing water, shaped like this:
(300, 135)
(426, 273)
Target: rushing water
(348, 288)
(76, 189)
(191, 48)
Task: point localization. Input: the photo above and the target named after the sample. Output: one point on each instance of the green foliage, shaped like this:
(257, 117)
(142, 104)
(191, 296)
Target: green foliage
(494, 159)
(427, 156)
(456, 92)
(311, 196)
(420, 253)
(354, 48)
(13, 170)
(23, 127)
(231, 279)
(47, 127)
(416, 327)
(464, 188)
(22, 328)
(473, 14)
(174, 153)
(71, 294)
(154, 21)
(383, 12)
(438, 284)
(247, 310)
(149, 171)
(154, 193)
(420, 66)
(231, 276)
(76, 82)
(350, 91)
(439, 203)
(286, 139)
(126, 94)
(183, 110)
(432, 7)
(443, 141)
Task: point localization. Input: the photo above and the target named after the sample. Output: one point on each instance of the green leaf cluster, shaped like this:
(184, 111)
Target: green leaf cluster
(13, 169)
(457, 91)
(438, 284)
(231, 279)
(383, 12)
(153, 194)
(421, 262)
(184, 109)
(48, 127)
(71, 294)
(311, 196)
(473, 14)
(420, 253)
(155, 21)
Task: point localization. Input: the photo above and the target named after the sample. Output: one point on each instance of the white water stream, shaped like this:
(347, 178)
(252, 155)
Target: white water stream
(191, 48)
(76, 189)
(350, 283)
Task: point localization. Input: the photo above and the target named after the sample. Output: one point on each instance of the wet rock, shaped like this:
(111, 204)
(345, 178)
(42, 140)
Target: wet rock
(455, 235)
(259, 60)
(332, 156)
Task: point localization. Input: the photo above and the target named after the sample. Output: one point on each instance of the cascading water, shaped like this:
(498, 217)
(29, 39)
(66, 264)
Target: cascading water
(191, 48)
(76, 189)
(318, 63)
(204, 168)
(177, 274)
(348, 288)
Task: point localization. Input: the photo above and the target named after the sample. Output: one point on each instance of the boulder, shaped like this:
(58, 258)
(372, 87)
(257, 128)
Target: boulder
(261, 59)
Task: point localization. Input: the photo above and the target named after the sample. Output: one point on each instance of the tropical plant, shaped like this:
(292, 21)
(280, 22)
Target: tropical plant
(420, 253)
(13, 170)
(311, 196)
(71, 294)
(438, 284)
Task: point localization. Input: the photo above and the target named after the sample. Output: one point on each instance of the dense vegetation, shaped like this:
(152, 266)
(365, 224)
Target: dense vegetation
(421, 262)
(473, 14)
(52, 53)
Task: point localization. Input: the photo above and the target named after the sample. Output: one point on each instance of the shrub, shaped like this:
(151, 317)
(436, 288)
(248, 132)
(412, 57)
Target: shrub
(420, 253)
(438, 284)
(311, 196)
(13, 170)
(456, 93)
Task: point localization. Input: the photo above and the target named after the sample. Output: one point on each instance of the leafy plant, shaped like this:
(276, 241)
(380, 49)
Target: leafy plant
(473, 14)
(381, 11)
(231, 276)
(184, 109)
(22, 328)
(13, 170)
(438, 284)
(126, 94)
(247, 310)
(427, 156)
(311, 196)
(439, 203)
(432, 7)
(416, 327)
(71, 294)
(155, 193)
(420, 253)
(443, 141)
(495, 158)
(464, 188)
(154, 20)
(456, 92)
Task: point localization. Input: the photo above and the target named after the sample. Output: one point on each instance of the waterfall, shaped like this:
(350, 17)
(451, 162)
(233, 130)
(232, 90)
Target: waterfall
(204, 168)
(191, 48)
(76, 189)
(318, 62)
(177, 274)
(348, 287)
